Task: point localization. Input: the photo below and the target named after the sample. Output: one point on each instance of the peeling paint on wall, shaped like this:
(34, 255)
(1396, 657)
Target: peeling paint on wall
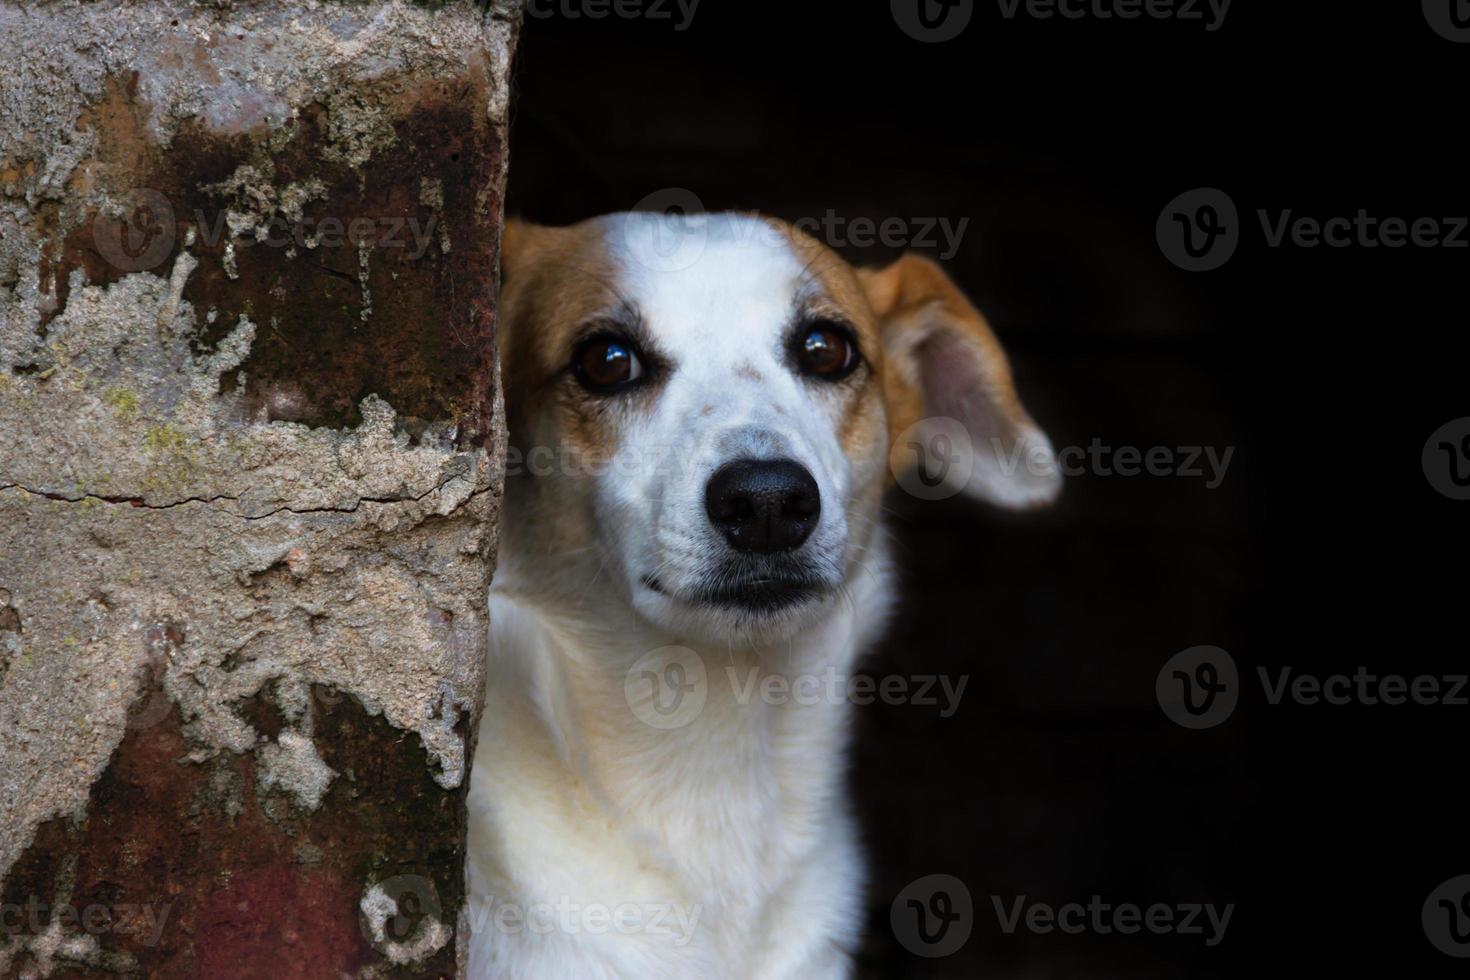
(251, 475)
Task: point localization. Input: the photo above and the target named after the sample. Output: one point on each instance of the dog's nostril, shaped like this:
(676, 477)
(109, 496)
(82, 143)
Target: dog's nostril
(763, 506)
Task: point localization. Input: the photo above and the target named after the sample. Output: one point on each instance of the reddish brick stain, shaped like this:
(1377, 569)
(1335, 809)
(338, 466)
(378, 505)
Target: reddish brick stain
(191, 871)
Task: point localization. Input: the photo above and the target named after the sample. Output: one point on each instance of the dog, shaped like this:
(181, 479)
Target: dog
(705, 411)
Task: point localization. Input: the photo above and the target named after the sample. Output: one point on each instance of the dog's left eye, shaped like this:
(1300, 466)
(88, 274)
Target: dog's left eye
(606, 364)
(827, 351)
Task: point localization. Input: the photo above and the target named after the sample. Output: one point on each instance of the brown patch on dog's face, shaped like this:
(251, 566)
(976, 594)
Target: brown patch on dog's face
(558, 282)
(558, 285)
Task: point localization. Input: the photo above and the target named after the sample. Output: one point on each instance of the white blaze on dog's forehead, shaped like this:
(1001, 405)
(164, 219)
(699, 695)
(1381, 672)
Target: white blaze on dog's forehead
(707, 283)
(719, 294)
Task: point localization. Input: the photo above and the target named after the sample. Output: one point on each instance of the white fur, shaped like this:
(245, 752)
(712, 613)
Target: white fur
(732, 830)
(736, 821)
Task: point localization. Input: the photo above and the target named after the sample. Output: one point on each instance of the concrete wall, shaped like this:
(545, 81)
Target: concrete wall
(249, 476)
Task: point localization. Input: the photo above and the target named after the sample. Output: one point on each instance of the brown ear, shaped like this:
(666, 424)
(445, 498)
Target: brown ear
(953, 413)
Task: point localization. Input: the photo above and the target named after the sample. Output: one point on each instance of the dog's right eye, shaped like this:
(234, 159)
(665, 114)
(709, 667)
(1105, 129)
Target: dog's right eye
(606, 364)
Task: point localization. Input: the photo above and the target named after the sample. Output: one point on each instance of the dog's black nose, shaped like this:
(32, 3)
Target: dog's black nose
(763, 506)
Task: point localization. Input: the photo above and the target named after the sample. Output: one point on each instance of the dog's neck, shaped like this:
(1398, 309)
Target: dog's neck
(759, 761)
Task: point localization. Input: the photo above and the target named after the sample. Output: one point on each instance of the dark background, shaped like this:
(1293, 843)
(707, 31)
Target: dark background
(1327, 369)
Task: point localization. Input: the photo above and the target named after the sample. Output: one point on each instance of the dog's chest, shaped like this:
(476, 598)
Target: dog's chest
(713, 824)
(738, 799)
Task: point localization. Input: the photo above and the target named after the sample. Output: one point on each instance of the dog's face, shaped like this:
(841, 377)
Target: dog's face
(701, 408)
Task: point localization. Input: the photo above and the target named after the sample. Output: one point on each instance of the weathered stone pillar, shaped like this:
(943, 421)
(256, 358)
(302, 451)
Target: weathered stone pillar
(250, 466)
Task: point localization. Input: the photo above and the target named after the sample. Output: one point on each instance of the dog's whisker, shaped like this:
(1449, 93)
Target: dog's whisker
(568, 553)
(600, 565)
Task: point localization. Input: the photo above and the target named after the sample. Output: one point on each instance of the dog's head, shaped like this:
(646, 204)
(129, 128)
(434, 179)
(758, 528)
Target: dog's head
(702, 409)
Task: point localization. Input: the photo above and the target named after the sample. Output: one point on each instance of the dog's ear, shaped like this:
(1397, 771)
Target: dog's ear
(945, 372)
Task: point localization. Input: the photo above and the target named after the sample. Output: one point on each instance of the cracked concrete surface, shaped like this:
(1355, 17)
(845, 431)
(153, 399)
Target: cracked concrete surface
(247, 520)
